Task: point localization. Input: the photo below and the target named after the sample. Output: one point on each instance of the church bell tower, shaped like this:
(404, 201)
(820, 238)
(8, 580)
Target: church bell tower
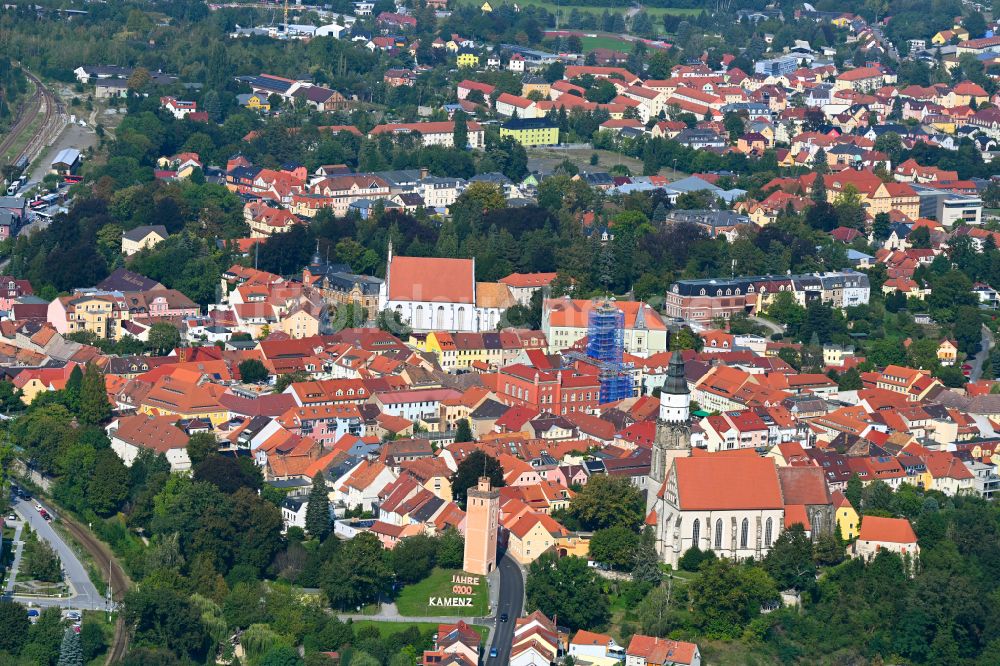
(673, 432)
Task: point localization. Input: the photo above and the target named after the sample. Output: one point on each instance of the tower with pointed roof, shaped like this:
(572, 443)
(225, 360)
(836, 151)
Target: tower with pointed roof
(673, 432)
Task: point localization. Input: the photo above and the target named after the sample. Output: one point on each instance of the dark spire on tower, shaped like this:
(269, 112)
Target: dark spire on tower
(675, 383)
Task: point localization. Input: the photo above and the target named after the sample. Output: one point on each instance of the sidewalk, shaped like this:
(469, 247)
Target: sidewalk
(16, 563)
(389, 613)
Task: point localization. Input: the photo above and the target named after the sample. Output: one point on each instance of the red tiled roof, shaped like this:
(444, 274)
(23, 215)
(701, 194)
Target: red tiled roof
(430, 279)
(891, 530)
(720, 482)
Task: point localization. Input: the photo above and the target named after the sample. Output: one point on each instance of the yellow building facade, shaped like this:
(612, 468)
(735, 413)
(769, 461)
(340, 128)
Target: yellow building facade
(531, 131)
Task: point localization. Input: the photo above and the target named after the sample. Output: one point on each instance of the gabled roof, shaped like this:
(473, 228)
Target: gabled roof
(888, 530)
(721, 482)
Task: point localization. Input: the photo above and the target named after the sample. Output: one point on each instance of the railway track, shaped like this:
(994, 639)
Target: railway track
(41, 99)
(120, 581)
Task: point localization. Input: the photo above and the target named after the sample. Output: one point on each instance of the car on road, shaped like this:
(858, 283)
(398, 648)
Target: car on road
(44, 514)
(38, 507)
(493, 653)
(504, 617)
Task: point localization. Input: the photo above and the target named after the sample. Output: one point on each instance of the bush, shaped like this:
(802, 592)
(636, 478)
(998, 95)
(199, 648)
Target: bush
(693, 558)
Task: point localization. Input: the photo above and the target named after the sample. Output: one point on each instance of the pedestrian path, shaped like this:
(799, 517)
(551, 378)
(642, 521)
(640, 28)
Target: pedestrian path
(16, 563)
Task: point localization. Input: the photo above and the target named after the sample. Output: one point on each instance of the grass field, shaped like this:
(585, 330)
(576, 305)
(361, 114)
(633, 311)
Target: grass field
(613, 43)
(413, 600)
(389, 628)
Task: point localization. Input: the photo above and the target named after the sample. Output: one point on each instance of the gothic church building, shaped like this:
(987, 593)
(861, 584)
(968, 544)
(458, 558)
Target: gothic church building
(733, 503)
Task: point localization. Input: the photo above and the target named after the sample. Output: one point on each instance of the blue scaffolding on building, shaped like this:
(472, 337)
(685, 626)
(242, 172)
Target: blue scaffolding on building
(606, 344)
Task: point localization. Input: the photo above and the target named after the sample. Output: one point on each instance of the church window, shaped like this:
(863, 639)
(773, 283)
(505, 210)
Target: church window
(695, 533)
(768, 529)
(718, 534)
(744, 532)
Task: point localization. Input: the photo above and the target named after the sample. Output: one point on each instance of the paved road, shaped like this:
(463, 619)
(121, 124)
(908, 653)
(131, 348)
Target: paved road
(768, 324)
(511, 603)
(979, 359)
(86, 596)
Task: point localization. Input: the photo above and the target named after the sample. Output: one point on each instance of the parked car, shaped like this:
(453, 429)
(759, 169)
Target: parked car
(73, 615)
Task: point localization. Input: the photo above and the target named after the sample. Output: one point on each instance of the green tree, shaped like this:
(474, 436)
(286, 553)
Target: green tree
(108, 486)
(200, 446)
(693, 557)
(850, 380)
(968, 329)
(568, 588)
(413, 558)
(786, 311)
(790, 560)
(281, 655)
(450, 549)
(163, 338)
(975, 24)
(45, 637)
(647, 562)
(357, 574)
(608, 501)
(14, 626)
(95, 408)
(616, 547)
(40, 561)
(725, 597)
(318, 510)
(252, 371)
(463, 432)
(829, 548)
(854, 492)
(161, 617)
(74, 386)
(475, 465)
(91, 639)
(655, 612)
(287, 379)
(460, 134)
(70, 652)
(390, 321)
